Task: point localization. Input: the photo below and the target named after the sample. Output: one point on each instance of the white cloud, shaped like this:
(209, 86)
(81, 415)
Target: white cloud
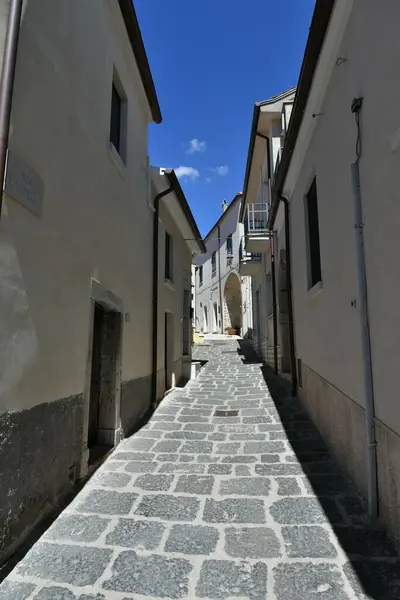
(187, 172)
(222, 170)
(196, 145)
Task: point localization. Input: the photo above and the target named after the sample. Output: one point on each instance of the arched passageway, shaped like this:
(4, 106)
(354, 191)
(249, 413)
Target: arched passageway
(233, 303)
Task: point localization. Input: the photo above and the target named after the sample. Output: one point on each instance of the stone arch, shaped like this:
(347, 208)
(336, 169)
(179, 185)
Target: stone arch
(233, 303)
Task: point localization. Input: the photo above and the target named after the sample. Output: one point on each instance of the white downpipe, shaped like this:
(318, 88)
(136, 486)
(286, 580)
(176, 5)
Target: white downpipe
(366, 346)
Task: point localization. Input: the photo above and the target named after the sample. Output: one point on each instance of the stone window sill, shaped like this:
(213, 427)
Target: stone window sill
(169, 284)
(316, 289)
(116, 159)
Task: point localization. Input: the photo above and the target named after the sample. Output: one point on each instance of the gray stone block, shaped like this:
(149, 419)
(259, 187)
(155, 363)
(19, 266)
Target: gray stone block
(155, 576)
(202, 427)
(138, 444)
(186, 458)
(190, 539)
(244, 470)
(140, 467)
(245, 437)
(245, 486)
(195, 484)
(308, 542)
(75, 565)
(107, 479)
(278, 468)
(257, 420)
(185, 435)
(220, 469)
(173, 508)
(154, 483)
(263, 447)
(228, 448)
(234, 510)
(77, 528)
(298, 511)
(141, 535)
(225, 579)
(207, 458)
(197, 447)
(193, 419)
(167, 457)
(162, 418)
(251, 542)
(56, 593)
(239, 458)
(13, 590)
(182, 468)
(160, 426)
(305, 580)
(134, 456)
(217, 437)
(107, 503)
(167, 446)
(288, 486)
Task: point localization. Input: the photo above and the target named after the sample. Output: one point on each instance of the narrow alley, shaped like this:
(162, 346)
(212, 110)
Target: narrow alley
(228, 492)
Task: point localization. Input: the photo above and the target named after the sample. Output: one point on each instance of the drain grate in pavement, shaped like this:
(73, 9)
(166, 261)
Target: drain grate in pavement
(226, 413)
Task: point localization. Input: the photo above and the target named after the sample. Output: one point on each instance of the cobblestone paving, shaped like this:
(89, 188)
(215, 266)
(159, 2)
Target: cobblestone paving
(197, 506)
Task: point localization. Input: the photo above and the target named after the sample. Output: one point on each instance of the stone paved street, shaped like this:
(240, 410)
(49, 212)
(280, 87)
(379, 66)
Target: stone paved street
(199, 506)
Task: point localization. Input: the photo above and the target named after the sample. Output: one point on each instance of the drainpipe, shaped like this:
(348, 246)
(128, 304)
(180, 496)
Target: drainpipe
(365, 327)
(7, 83)
(274, 303)
(289, 295)
(219, 279)
(155, 292)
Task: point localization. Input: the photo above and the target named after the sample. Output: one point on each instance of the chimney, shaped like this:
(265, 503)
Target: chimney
(224, 206)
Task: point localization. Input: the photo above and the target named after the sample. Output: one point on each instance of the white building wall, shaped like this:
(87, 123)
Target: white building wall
(327, 320)
(214, 288)
(95, 225)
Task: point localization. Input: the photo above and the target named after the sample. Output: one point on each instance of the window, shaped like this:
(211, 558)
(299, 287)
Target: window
(168, 257)
(118, 119)
(313, 248)
(229, 245)
(116, 113)
(201, 275)
(213, 264)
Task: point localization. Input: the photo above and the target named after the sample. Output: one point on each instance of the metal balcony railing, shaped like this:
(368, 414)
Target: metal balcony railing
(256, 219)
(246, 256)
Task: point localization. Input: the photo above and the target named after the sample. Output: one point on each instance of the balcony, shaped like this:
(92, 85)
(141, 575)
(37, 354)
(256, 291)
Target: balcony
(255, 229)
(249, 262)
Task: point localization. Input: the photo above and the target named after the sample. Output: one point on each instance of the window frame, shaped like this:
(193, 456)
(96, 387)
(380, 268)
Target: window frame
(200, 275)
(118, 133)
(169, 257)
(229, 252)
(214, 263)
(313, 241)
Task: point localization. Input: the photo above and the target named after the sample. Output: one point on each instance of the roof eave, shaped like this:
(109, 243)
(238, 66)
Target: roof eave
(139, 51)
(235, 199)
(319, 25)
(179, 193)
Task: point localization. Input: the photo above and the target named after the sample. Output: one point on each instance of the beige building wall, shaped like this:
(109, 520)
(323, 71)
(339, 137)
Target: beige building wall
(327, 324)
(95, 224)
(171, 298)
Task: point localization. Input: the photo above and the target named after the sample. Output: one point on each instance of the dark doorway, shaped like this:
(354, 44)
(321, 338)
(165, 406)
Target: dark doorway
(103, 381)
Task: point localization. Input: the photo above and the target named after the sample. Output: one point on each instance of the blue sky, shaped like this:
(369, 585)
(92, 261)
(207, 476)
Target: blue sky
(211, 60)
